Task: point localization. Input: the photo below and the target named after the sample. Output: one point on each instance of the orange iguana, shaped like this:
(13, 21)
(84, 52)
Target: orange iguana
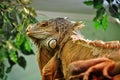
(63, 53)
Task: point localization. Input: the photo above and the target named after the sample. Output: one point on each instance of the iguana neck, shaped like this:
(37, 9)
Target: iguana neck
(44, 55)
(45, 52)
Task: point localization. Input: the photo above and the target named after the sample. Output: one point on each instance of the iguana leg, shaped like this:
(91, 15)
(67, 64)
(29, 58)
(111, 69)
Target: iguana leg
(50, 70)
(105, 67)
(79, 68)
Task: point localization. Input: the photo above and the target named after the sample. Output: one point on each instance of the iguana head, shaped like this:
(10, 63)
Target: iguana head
(40, 30)
(53, 28)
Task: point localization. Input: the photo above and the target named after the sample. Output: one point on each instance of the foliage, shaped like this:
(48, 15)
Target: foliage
(101, 18)
(15, 15)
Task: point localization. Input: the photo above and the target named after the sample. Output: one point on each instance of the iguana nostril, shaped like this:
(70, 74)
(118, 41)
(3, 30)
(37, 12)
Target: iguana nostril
(27, 29)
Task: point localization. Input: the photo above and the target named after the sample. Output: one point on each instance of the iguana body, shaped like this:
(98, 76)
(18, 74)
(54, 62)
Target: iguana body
(79, 54)
(62, 50)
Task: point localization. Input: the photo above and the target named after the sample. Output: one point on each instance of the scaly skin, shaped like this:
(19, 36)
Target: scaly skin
(82, 59)
(71, 52)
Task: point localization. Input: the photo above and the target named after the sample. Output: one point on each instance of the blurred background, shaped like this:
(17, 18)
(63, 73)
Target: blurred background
(73, 9)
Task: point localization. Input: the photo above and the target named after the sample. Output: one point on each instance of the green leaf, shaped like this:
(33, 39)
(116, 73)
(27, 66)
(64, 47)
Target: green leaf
(8, 70)
(5, 77)
(12, 63)
(6, 18)
(19, 39)
(25, 52)
(88, 2)
(99, 14)
(30, 11)
(22, 62)
(2, 5)
(2, 67)
(97, 24)
(105, 22)
(33, 19)
(13, 56)
(98, 4)
(27, 45)
(12, 59)
(26, 48)
(2, 55)
(1, 20)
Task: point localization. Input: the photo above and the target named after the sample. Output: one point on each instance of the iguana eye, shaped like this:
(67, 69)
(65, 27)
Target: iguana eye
(44, 24)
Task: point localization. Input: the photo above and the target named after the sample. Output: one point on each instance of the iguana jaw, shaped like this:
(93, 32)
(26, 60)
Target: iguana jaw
(38, 34)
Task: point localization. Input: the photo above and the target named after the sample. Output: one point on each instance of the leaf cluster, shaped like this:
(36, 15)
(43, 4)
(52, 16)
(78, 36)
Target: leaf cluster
(15, 16)
(101, 18)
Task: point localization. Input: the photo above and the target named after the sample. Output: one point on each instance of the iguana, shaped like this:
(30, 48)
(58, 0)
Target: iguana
(63, 53)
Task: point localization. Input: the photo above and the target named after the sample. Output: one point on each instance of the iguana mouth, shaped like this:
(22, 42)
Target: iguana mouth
(42, 35)
(36, 32)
